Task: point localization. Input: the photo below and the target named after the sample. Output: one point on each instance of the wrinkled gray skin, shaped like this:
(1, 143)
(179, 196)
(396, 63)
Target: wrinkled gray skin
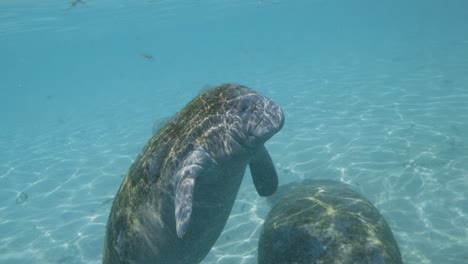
(177, 195)
(322, 221)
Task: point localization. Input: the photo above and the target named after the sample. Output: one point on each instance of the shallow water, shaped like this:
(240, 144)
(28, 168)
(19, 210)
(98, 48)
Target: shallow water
(374, 95)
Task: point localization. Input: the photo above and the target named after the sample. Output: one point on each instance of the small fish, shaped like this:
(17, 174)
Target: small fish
(147, 56)
(76, 2)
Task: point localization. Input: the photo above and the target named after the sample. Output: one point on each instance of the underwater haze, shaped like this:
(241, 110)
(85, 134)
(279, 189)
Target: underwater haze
(375, 94)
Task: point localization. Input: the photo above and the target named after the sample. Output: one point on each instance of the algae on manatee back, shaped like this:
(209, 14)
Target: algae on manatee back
(324, 221)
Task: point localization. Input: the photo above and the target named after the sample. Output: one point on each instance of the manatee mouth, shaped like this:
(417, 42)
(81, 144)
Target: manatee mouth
(252, 137)
(269, 124)
(260, 132)
(245, 143)
(259, 129)
(258, 125)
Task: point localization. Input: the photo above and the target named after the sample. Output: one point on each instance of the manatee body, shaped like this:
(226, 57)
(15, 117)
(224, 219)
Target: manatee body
(325, 222)
(176, 197)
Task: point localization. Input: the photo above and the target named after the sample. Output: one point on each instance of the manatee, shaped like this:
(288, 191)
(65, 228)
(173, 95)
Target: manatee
(322, 221)
(177, 195)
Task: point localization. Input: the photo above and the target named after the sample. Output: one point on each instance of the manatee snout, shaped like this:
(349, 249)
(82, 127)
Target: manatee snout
(271, 121)
(254, 119)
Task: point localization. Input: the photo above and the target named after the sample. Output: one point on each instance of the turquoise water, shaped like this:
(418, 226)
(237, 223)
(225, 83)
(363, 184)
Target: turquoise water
(375, 94)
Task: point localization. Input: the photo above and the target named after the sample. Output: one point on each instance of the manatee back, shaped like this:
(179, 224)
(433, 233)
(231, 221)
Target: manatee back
(325, 222)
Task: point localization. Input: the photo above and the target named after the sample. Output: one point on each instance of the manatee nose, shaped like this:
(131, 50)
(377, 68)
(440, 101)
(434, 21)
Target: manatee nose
(272, 121)
(275, 116)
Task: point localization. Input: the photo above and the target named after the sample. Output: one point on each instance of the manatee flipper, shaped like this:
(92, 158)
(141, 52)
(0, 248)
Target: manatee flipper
(183, 201)
(196, 163)
(263, 172)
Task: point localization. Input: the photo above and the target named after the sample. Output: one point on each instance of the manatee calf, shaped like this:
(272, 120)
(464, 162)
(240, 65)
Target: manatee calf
(325, 222)
(176, 197)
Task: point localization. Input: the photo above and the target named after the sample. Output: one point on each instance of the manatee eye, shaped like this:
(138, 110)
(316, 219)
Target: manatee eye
(244, 108)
